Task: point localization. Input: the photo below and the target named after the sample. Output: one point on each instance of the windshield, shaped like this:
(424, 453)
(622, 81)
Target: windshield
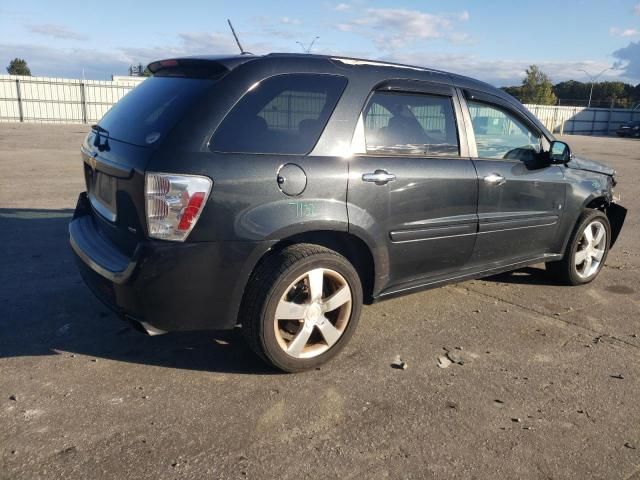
(150, 110)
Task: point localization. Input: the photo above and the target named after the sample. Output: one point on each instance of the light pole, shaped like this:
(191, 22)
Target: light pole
(593, 79)
(308, 49)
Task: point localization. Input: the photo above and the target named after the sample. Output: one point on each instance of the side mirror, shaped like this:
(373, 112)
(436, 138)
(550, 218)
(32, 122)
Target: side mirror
(560, 153)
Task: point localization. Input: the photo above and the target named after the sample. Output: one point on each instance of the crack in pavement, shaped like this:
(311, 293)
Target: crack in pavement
(553, 317)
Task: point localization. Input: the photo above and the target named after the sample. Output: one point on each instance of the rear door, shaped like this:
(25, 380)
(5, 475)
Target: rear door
(520, 197)
(412, 185)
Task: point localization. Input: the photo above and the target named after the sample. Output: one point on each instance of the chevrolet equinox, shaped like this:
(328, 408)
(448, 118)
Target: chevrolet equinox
(281, 192)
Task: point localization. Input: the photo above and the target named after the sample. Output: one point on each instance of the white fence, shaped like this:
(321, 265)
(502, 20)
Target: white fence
(583, 120)
(59, 100)
(64, 100)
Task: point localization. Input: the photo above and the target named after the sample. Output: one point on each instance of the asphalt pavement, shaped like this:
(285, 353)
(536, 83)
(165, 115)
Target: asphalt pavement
(542, 381)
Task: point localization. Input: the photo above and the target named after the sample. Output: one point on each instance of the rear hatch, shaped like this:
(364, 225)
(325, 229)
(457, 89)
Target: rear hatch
(117, 150)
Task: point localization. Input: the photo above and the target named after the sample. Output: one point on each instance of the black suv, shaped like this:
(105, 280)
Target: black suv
(280, 192)
(629, 129)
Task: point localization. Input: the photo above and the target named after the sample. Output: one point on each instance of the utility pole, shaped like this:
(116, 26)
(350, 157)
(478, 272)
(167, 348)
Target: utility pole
(592, 79)
(308, 49)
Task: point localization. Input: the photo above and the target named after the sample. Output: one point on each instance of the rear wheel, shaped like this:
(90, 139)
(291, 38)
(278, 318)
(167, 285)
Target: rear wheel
(301, 307)
(586, 251)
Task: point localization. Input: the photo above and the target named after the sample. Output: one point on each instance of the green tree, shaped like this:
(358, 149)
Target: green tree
(537, 88)
(18, 66)
(513, 91)
(571, 91)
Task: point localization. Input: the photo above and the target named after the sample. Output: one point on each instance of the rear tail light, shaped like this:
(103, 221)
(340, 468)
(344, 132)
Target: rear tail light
(174, 204)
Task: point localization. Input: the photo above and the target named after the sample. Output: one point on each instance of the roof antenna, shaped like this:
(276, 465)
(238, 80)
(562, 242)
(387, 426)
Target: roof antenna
(307, 50)
(242, 51)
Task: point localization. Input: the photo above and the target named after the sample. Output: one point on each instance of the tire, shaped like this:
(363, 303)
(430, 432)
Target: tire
(566, 270)
(286, 284)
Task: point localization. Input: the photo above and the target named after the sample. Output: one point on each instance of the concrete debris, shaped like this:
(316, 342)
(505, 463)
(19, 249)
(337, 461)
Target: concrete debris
(444, 362)
(630, 445)
(13, 397)
(455, 358)
(399, 364)
(516, 420)
(618, 376)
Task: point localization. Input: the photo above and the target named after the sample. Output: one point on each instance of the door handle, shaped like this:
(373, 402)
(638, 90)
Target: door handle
(495, 179)
(379, 177)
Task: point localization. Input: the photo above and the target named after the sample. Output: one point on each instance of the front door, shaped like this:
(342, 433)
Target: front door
(410, 186)
(520, 197)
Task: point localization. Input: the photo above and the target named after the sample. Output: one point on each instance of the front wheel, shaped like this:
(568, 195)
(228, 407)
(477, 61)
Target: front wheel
(301, 307)
(586, 251)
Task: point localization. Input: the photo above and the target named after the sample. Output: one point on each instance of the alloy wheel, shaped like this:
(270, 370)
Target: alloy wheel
(591, 249)
(313, 313)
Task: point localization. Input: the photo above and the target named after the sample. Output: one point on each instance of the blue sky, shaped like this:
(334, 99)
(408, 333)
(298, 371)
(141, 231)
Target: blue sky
(491, 40)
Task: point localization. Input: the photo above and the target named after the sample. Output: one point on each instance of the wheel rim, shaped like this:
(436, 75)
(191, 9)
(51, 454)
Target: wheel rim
(313, 313)
(590, 251)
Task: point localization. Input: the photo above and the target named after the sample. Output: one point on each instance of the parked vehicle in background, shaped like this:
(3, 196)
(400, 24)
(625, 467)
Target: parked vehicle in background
(280, 192)
(629, 129)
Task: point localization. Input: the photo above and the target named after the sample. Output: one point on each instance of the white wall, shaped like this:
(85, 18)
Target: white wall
(59, 100)
(582, 120)
(65, 100)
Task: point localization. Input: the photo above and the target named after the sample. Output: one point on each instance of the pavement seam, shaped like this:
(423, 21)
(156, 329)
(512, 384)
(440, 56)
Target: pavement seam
(634, 475)
(554, 317)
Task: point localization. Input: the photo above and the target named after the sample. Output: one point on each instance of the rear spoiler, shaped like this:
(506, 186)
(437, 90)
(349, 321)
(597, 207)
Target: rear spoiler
(197, 67)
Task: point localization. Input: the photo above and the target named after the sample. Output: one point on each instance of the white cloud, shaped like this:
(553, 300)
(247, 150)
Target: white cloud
(56, 31)
(500, 72)
(636, 9)
(68, 62)
(629, 60)
(626, 32)
(341, 7)
(290, 21)
(101, 64)
(464, 16)
(394, 28)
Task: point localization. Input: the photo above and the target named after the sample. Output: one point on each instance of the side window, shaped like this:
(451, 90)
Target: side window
(410, 124)
(501, 135)
(282, 114)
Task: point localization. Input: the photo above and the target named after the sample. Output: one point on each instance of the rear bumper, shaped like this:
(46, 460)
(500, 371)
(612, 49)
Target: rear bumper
(166, 285)
(627, 133)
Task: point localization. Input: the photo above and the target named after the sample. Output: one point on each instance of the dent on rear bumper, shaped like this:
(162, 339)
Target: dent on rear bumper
(170, 286)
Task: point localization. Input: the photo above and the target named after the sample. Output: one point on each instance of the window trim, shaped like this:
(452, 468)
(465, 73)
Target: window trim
(268, 78)
(500, 104)
(358, 145)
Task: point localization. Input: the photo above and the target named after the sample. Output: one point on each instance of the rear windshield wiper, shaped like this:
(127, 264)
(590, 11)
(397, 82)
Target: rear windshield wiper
(98, 129)
(105, 133)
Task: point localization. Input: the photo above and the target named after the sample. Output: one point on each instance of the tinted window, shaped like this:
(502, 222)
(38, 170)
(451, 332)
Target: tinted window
(282, 114)
(151, 109)
(499, 134)
(410, 124)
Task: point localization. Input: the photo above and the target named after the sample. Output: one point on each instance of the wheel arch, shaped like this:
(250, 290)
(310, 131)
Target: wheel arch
(615, 214)
(352, 247)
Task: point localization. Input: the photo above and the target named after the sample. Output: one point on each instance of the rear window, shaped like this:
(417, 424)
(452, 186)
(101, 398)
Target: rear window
(150, 110)
(282, 114)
